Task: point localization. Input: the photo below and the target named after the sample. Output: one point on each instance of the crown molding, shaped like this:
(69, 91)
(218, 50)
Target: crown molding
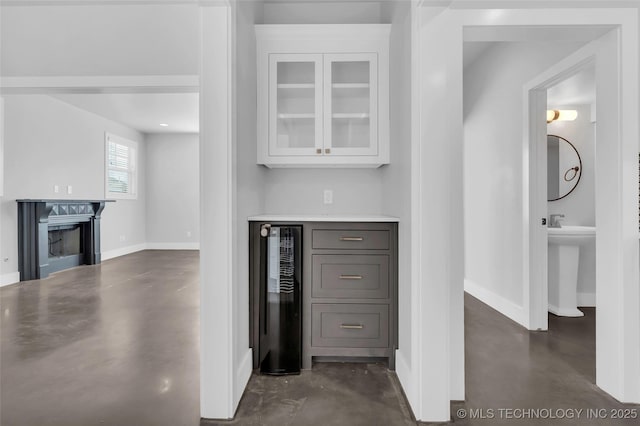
(529, 4)
(100, 84)
(203, 3)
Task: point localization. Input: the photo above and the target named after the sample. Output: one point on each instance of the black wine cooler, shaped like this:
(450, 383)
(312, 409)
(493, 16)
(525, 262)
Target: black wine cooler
(280, 335)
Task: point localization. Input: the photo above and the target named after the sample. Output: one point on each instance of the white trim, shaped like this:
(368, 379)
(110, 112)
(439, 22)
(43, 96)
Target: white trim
(110, 254)
(535, 242)
(504, 306)
(243, 374)
(406, 378)
(101, 84)
(173, 246)
(217, 275)
(529, 4)
(2, 127)
(131, 170)
(587, 300)
(25, 3)
(9, 278)
(410, 374)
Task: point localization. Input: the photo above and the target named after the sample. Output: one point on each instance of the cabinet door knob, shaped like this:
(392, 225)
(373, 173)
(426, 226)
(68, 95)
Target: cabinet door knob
(350, 277)
(351, 238)
(327, 151)
(318, 151)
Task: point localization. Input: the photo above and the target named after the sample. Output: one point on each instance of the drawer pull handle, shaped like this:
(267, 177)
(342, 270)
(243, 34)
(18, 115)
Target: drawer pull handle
(352, 326)
(350, 277)
(351, 239)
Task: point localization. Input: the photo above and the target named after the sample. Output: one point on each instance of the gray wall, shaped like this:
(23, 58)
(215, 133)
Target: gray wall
(173, 185)
(47, 143)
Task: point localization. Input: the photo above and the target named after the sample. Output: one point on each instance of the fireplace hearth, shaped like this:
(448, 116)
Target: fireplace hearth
(57, 234)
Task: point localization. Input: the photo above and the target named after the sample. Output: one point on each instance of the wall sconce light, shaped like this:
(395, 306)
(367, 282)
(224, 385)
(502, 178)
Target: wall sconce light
(561, 115)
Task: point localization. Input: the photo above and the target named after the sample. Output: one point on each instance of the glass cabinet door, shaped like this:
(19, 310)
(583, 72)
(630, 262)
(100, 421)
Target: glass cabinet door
(295, 104)
(351, 104)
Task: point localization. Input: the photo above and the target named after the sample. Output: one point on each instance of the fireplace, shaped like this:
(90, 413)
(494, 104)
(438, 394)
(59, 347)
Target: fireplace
(57, 234)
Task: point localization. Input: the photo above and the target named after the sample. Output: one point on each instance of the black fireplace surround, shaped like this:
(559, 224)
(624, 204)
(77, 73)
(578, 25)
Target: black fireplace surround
(57, 234)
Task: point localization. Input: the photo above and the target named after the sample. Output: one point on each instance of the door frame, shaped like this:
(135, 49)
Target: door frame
(535, 250)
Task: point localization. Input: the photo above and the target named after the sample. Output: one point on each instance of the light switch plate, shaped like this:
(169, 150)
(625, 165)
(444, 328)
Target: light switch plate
(69, 189)
(56, 188)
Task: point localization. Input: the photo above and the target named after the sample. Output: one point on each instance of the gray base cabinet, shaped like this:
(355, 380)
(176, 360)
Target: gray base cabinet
(349, 290)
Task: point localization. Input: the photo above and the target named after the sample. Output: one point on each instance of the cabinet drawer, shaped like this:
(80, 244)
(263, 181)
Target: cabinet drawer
(350, 325)
(350, 276)
(350, 239)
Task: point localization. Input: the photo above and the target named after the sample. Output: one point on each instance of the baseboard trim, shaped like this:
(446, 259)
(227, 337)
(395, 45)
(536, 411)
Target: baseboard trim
(173, 246)
(10, 278)
(497, 302)
(245, 368)
(587, 300)
(110, 254)
(406, 380)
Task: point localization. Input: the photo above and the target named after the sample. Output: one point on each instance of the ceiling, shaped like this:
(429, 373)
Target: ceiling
(472, 51)
(579, 89)
(145, 111)
(142, 111)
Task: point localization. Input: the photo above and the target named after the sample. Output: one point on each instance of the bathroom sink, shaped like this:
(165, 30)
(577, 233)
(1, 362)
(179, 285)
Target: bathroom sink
(571, 235)
(564, 258)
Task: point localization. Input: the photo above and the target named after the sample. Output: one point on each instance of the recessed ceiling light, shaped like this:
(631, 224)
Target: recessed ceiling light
(164, 124)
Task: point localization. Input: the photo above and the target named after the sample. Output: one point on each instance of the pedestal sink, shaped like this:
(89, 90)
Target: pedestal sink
(564, 258)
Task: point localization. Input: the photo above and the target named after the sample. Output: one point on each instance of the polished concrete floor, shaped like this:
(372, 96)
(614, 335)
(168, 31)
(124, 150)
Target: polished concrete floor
(117, 344)
(509, 367)
(112, 344)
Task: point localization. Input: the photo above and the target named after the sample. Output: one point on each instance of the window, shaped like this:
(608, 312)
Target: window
(121, 168)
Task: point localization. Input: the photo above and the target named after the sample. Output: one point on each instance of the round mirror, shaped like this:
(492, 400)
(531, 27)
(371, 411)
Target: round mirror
(564, 167)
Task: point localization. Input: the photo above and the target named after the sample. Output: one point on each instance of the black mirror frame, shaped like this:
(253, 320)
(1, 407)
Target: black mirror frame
(580, 165)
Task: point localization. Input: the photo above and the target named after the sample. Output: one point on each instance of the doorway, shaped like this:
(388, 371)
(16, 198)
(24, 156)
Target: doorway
(532, 313)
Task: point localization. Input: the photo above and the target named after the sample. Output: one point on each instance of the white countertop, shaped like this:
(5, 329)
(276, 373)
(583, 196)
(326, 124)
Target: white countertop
(320, 218)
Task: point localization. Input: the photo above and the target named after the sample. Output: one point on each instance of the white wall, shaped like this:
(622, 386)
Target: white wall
(322, 12)
(1, 146)
(99, 40)
(249, 181)
(579, 207)
(3, 278)
(396, 177)
(173, 191)
(292, 191)
(493, 128)
(47, 143)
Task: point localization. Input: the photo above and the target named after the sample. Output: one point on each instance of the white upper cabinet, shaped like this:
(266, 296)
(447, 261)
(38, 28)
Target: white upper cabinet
(323, 95)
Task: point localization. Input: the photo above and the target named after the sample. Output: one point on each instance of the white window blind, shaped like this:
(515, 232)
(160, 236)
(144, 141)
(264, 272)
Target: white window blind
(121, 170)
